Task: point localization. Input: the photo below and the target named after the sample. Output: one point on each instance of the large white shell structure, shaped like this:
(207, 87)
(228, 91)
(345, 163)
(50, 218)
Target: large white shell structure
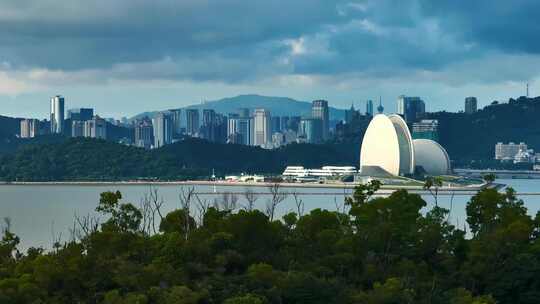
(432, 157)
(388, 145)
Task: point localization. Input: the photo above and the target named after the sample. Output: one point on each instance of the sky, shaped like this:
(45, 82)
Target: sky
(124, 57)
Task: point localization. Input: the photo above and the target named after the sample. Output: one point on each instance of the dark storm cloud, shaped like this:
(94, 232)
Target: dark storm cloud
(396, 37)
(238, 40)
(101, 33)
(511, 26)
(357, 48)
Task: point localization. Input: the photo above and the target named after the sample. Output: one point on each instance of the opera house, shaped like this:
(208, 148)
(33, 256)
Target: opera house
(389, 150)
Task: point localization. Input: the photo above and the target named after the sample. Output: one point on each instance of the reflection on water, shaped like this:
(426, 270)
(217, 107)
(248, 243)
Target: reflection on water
(40, 214)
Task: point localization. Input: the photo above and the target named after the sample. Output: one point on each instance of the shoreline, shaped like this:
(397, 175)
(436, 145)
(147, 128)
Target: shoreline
(343, 186)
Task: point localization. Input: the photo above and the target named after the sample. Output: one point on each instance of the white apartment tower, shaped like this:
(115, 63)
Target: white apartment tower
(95, 128)
(163, 129)
(261, 127)
(29, 128)
(57, 114)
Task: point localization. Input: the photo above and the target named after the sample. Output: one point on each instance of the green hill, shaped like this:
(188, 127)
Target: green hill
(469, 138)
(90, 159)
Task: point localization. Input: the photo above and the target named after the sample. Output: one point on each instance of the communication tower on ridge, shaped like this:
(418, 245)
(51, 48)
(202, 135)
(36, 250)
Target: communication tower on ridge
(380, 108)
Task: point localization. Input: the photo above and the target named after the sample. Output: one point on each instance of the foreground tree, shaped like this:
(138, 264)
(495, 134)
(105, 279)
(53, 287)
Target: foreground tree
(384, 249)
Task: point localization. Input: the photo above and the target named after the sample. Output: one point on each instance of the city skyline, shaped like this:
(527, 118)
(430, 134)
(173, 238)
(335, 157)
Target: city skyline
(121, 59)
(390, 106)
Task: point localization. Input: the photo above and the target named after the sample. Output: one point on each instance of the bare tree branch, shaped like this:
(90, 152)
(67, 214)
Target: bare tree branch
(251, 197)
(56, 238)
(226, 202)
(277, 196)
(202, 208)
(298, 202)
(84, 226)
(185, 197)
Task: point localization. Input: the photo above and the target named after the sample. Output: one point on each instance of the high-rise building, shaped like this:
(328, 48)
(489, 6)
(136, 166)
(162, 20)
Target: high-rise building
(426, 129)
(294, 123)
(245, 129)
(284, 123)
(220, 129)
(232, 127)
(176, 116)
(81, 114)
(311, 130)
(319, 109)
(275, 124)
(207, 129)
(239, 130)
(95, 128)
(44, 127)
(163, 129)
(144, 134)
(192, 122)
(29, 128)
(411, 108)
(57, 114)
(369, 107)
(261, 128)
(471, 105)
(77, 128)
(351, 114)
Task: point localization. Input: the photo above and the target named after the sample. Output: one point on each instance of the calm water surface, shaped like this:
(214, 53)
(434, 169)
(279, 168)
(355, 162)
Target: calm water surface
(41, 213)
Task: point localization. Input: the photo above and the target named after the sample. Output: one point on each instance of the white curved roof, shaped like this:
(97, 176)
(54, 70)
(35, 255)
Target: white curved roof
(431, 156)
(406, 148)
(387, 144)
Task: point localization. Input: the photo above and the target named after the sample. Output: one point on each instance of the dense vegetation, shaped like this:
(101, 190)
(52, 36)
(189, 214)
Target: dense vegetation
(90, 159)
(374, 250)
(9, 126)
(473, 137)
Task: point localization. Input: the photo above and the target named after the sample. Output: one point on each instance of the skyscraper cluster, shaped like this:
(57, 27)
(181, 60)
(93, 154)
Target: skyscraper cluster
(253, 127)
(240, 128)
(80, 122)
(258, 127)
(410, 108)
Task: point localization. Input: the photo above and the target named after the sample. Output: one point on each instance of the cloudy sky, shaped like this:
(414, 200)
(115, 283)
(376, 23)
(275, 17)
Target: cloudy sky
(127, 56)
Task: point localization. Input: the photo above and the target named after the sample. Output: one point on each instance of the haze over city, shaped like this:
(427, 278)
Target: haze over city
(126, 57)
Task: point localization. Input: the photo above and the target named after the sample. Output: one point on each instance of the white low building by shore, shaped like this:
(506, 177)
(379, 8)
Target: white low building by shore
(326, 171)
(245, 178)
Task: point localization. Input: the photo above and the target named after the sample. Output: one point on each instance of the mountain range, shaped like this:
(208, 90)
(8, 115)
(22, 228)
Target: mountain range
(278, 106)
